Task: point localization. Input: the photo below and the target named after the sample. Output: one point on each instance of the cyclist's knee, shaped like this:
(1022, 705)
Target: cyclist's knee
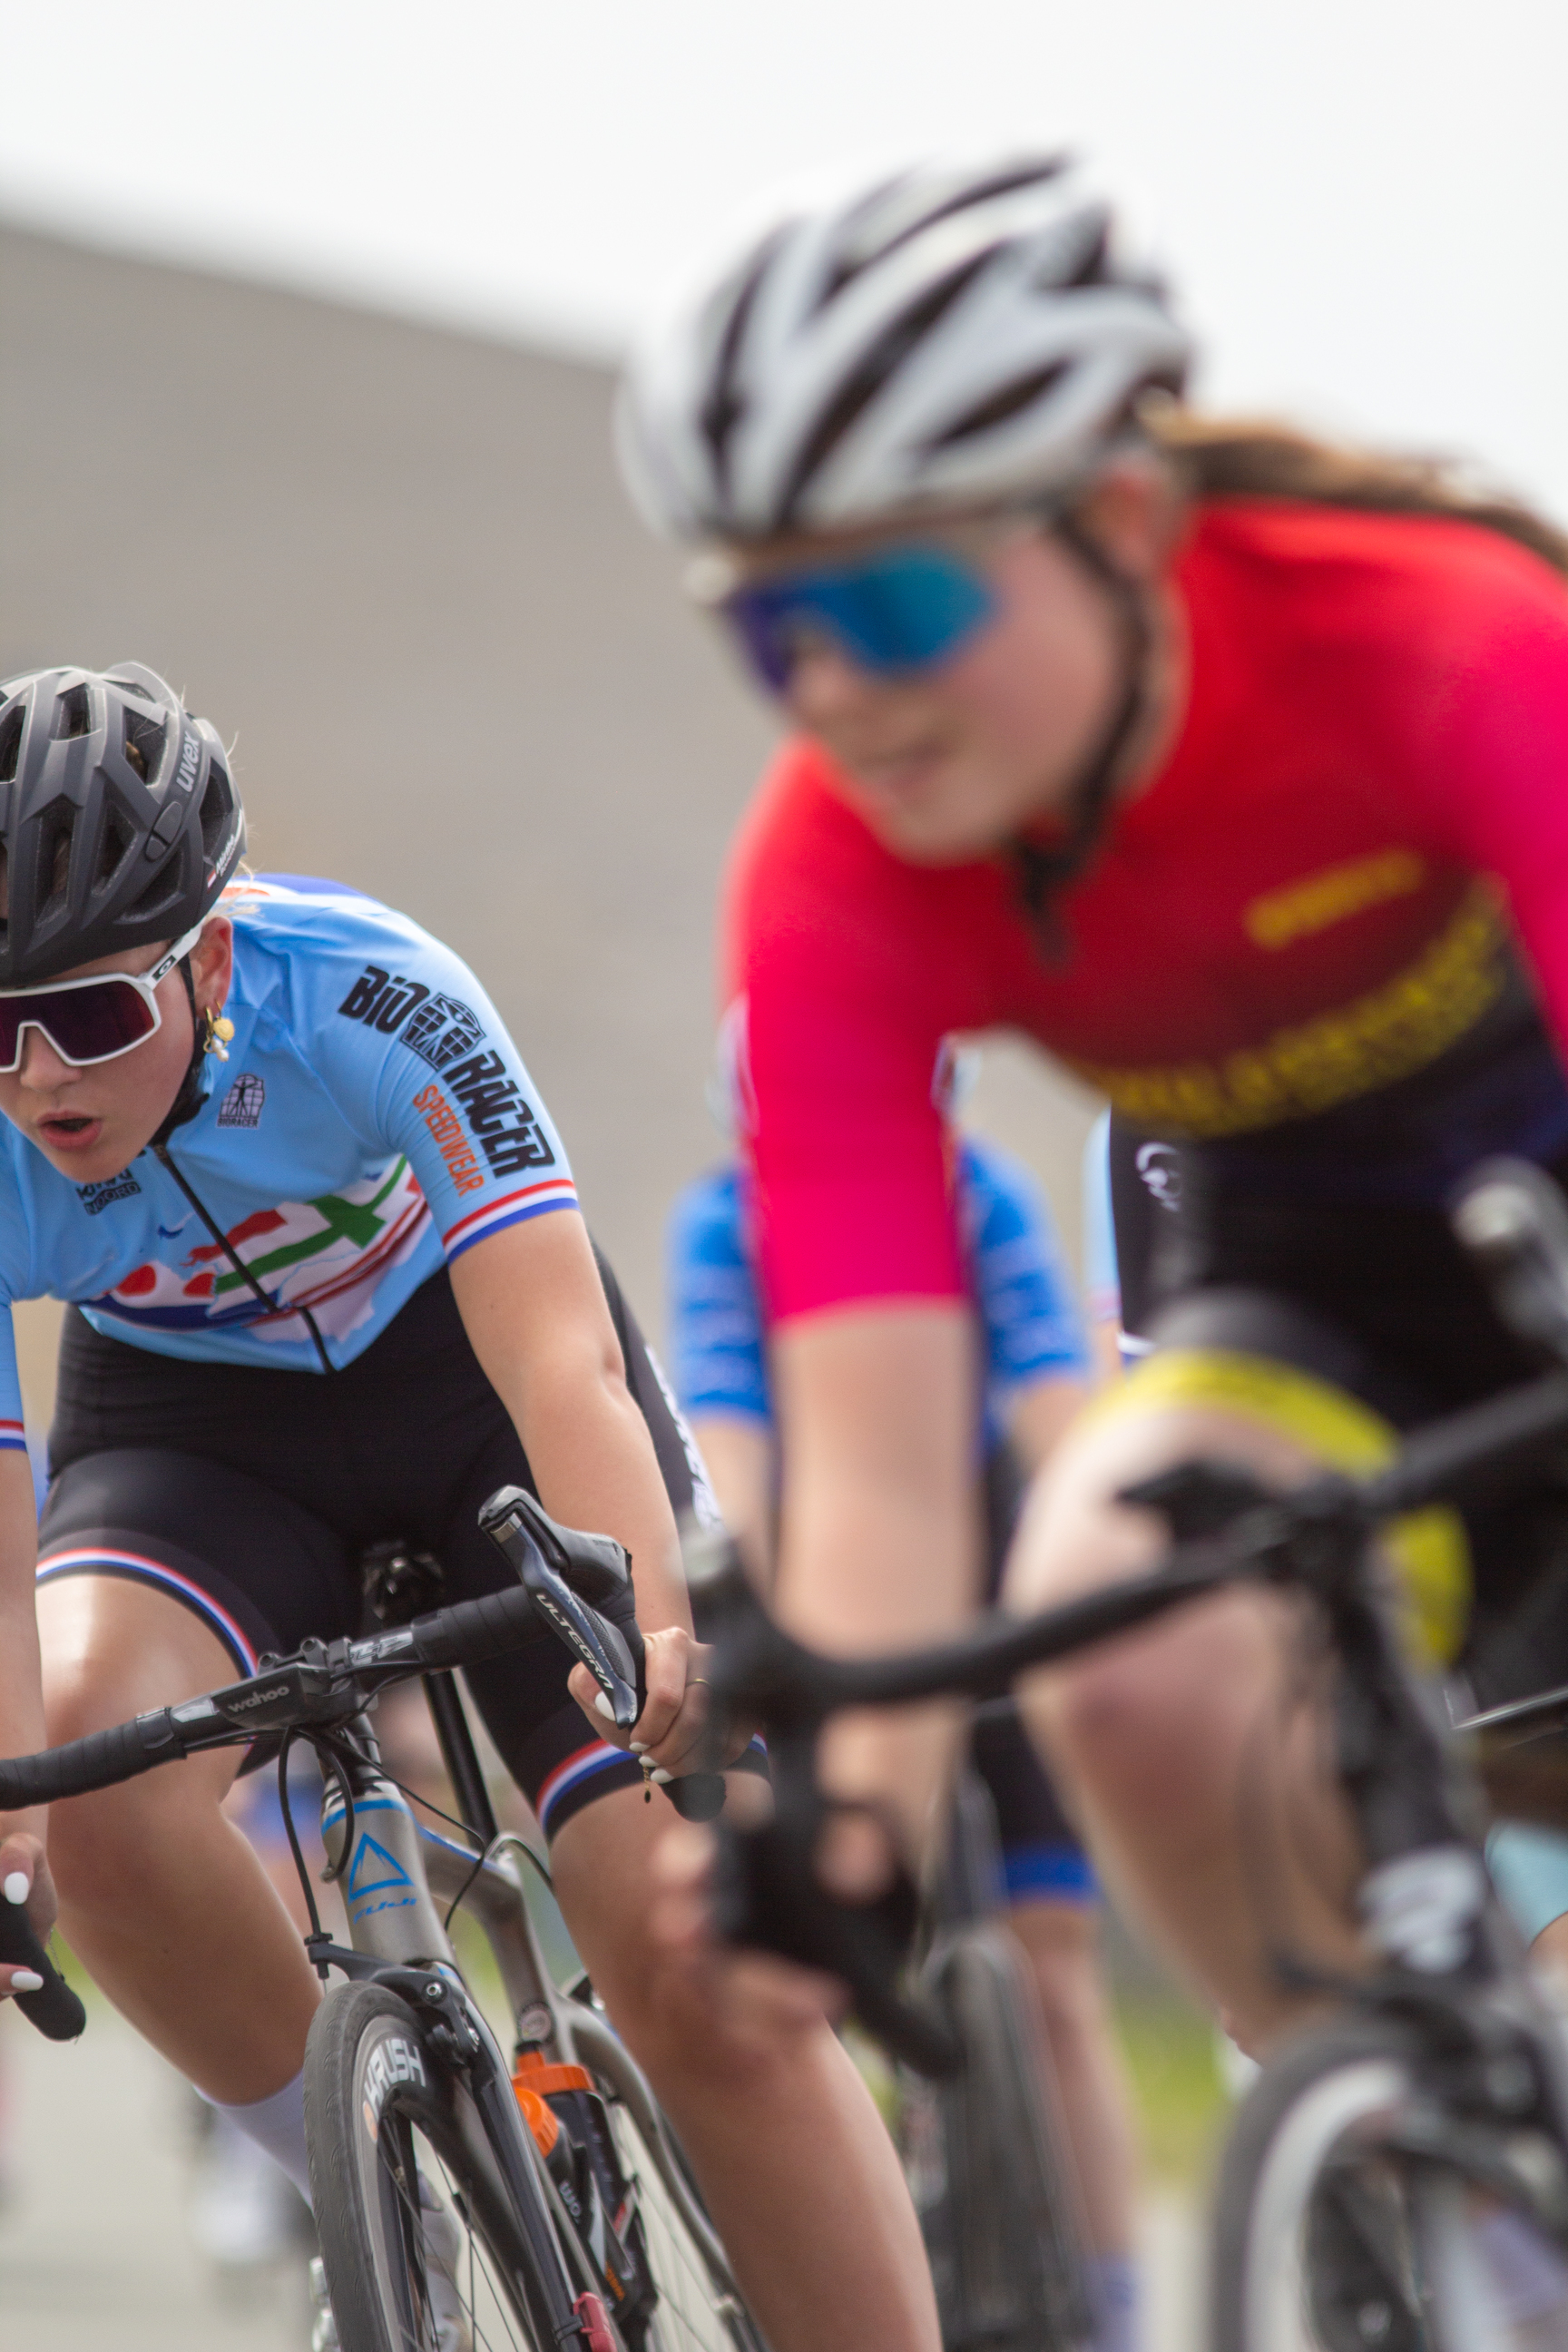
(108, 1849)
(1152, 1714)
(101, 1847)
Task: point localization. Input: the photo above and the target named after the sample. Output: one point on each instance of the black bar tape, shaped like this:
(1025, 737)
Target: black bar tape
(55, 2010)
(697, 1796)
(98, 1761)
(472, 1630)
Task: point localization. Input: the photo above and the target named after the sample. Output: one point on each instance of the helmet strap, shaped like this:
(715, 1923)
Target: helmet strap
(192, 1094)
(1042, 875)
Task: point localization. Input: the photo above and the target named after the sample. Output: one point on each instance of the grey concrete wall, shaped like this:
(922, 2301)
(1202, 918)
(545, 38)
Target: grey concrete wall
(397, 565)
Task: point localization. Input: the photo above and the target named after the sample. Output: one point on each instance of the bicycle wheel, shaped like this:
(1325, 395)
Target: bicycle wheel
(1355, 2216)
(422, 2249)
(699, 2308)
(985, 2155)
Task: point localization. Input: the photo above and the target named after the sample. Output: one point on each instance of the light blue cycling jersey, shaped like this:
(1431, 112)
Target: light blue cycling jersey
(373, 1121)
(1030, 1320)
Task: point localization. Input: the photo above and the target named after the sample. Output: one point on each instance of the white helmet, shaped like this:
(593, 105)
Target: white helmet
(955, 335)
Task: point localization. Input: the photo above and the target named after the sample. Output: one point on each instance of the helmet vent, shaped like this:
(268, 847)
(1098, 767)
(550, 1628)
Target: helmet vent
(1094, 270)
(1011, 401)
(73, 714)
(144, 741)
(119, 840)
(883, 359)
(11, 740)
(724, 406)
(162, 891)
(973, 193)
(218, 807)
(57, 829)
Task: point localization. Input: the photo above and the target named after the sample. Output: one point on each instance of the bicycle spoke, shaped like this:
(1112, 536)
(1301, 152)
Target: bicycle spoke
(690, 2316)
(416, 2217)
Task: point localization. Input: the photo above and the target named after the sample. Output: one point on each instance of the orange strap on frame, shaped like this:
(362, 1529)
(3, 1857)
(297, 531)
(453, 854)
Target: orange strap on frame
(532, 2072)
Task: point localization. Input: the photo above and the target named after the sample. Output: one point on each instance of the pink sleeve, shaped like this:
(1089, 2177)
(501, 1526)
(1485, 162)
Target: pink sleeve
(1499, 771)
(853, 1198)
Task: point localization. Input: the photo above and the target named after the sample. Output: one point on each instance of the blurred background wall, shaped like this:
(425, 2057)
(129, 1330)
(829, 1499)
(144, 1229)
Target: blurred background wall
(395, 564)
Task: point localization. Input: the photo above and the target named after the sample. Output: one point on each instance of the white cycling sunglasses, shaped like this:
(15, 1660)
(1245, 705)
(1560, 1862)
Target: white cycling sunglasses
(92, 1020)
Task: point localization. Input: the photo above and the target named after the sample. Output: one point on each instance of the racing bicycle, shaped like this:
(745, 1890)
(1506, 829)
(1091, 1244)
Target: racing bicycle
(1397, 2178)
(461, 2199)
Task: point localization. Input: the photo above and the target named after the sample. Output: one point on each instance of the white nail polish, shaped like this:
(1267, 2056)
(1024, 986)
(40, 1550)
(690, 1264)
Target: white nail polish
(603, 1707)
(18, 1886)
(660, 1775)
(26, 1981)
(638, 1746)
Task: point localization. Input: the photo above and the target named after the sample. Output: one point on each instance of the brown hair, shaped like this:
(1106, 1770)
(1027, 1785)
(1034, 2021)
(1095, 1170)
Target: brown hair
(1237, 458)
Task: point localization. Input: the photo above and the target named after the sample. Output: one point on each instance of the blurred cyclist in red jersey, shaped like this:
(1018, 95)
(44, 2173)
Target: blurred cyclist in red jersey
(1231, 770)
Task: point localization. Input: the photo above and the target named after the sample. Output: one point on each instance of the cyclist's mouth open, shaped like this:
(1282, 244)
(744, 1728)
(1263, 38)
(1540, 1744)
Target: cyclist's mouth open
(68, 1131)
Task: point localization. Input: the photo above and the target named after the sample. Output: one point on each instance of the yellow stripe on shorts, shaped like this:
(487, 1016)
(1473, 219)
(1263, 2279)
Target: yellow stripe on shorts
(1427, 1548)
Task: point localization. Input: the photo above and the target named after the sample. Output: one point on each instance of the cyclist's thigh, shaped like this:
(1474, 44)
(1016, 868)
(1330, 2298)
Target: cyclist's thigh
(1258, 1380)
(157, 1567)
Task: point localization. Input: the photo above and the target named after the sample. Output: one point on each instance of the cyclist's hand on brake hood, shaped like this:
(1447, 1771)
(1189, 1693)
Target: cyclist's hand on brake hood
(669, 1729)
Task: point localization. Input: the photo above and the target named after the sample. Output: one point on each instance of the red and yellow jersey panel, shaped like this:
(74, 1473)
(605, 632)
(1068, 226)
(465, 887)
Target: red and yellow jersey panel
(1316, 906)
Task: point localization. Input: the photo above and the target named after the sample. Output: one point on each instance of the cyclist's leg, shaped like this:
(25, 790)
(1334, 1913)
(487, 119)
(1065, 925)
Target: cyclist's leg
(1199, 1751)
(796, 2166)
(160, 1893)
(1053, 1909)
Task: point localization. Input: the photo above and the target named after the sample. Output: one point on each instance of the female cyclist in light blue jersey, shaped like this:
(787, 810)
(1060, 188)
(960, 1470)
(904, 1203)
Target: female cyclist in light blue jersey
(329, 1285)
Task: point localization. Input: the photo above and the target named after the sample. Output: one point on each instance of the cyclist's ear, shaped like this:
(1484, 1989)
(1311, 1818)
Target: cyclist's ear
(1134, 512)
(212, 964)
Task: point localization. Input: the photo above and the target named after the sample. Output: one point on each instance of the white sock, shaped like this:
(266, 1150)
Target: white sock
(278, 2125)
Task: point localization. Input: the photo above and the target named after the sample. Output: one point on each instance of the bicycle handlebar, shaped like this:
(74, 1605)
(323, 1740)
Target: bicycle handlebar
(582, 1587)
(1513, 1222)
(54, 2009)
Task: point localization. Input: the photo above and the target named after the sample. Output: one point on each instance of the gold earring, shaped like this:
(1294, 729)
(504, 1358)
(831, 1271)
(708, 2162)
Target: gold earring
(219, 1031)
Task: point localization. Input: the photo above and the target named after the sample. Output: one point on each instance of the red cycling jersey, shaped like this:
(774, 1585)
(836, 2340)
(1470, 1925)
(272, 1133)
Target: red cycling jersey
(1298, 912)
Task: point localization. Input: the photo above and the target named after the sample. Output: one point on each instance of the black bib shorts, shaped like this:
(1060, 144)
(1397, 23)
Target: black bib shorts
(249, 1495)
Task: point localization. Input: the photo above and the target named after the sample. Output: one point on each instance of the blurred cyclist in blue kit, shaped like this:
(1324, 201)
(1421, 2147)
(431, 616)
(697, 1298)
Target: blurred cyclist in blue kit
(1036, 1374)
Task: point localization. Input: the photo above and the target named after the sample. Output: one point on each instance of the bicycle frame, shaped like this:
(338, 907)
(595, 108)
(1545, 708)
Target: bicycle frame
(1424, 1899)
(390, 1874)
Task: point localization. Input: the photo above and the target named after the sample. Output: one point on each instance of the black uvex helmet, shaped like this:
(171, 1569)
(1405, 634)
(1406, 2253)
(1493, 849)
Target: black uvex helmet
(119, 821)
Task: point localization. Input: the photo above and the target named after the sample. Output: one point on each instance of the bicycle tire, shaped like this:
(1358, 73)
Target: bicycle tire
(380, 2107)
(996, 2194)
(1346, 2222)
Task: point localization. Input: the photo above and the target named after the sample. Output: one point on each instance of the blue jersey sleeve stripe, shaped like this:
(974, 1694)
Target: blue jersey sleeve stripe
(498, 1223)
(12, 1433)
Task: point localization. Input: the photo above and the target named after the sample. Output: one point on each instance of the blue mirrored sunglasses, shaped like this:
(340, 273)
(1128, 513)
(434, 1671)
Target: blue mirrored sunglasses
(902, 610)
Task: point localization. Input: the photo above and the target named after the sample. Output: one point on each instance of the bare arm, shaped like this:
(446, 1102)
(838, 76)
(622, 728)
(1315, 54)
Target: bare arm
(738, 1453)
(21, 1688)
(879, 1531)
(1039, 1416)
(534, 1308)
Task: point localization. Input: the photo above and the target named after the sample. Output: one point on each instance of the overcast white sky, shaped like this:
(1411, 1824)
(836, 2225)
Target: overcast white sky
(1366, 201)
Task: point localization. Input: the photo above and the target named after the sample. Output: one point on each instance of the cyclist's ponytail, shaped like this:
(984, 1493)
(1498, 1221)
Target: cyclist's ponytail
(1238, 457)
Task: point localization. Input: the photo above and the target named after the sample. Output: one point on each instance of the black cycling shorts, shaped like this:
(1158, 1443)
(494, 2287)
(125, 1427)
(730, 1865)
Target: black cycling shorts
(249, 1495)
(1380, 1300)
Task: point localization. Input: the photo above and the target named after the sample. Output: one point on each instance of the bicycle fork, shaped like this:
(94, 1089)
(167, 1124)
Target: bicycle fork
(393, 1922)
